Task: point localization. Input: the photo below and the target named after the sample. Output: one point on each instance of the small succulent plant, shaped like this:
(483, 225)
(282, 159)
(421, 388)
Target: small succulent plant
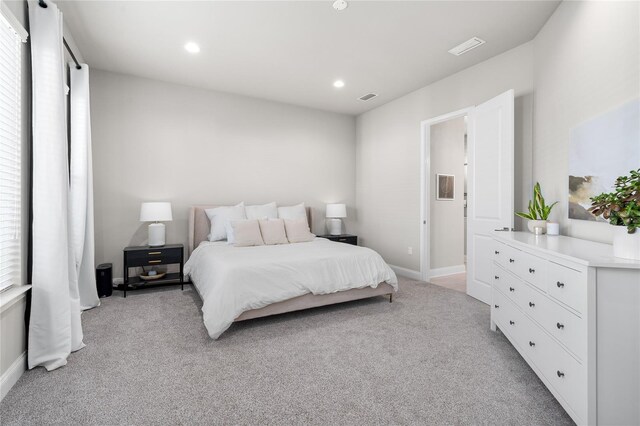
(538, 210)
(622, 206)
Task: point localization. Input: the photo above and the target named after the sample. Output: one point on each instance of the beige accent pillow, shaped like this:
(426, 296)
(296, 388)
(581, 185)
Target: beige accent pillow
(298, 230)
(247, 233)
(273, 231)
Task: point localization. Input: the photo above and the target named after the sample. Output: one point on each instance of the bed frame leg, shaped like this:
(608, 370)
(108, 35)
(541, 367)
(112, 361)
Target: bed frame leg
(390, 297)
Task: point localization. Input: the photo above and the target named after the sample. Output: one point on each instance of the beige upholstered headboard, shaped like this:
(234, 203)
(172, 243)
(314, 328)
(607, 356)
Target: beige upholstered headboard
(199, 226)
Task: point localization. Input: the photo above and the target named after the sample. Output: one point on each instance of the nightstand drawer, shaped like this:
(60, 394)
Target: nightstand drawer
(153, 257)
(347, 239)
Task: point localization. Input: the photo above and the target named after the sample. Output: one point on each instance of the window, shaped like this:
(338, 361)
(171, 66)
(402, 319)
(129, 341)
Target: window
(11, 37)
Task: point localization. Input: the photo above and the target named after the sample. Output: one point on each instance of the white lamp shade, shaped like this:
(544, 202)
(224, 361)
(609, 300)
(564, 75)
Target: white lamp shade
(336, 210)
(155, 212)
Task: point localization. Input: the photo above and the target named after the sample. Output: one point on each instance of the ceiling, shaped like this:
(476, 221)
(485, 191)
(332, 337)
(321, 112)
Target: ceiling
(293, 51)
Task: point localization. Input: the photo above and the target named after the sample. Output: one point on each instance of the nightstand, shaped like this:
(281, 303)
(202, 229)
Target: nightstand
(153, 256)
(344, 238)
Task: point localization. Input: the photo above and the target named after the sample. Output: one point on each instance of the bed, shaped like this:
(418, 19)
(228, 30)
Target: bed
(241, 283)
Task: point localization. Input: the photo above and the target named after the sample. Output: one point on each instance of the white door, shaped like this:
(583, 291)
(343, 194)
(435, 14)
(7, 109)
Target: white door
(490, 187)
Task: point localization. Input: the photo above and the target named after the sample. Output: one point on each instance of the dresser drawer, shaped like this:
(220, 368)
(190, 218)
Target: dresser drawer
(498, 307)
(568, 328)
(567, 377)
(532, 269)
(499, 253)
(510, 286)
(568, 286)
(535, 304)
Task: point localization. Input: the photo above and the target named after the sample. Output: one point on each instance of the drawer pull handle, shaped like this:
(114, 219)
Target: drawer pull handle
(532, 271)
(496, 277)
(496, 252)
(152, 253)
(155, 261)
(512, 289)
(560, 326)
(532, 344)
(511, 260)
(511, 322)
(531, 304)
(559, 284)
(560, 374)
(496, 306)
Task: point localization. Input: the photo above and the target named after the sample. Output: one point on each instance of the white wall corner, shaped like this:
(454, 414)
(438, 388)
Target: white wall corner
(13, 373)
(408, 273)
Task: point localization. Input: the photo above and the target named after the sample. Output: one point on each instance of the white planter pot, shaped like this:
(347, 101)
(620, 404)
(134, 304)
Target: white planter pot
(532, 224)
(625, 245)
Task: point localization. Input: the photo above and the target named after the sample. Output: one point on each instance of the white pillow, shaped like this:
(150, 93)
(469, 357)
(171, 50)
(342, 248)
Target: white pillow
(247, 233)
(298, 230)
(219, 217)
(265, 211)
(293, 212)
(273, 231)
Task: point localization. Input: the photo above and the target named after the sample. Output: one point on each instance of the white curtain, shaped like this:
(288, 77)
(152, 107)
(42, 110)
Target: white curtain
(81, 212)
(55, 329)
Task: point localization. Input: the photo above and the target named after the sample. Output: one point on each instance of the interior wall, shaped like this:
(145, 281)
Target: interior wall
(447, 217)
(156, 141)
(388, 150)
(587, 62)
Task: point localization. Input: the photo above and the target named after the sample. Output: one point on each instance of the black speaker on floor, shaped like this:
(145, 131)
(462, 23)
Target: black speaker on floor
(104, 277)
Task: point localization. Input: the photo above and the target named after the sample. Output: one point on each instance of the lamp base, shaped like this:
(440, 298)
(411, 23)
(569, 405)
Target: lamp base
(156, 234)
(335, 226)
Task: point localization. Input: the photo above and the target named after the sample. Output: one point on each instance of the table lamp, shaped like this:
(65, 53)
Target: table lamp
(334, 215)
(156, 212)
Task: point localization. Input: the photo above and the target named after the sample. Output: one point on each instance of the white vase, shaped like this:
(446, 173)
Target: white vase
(532, 224)
(625, 245)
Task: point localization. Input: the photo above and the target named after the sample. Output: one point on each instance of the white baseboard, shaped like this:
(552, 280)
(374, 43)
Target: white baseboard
(449, 270)
(409, 273)
(13, 373)
(117, 281)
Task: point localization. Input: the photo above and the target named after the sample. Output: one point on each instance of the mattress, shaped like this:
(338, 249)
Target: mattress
(232, 280)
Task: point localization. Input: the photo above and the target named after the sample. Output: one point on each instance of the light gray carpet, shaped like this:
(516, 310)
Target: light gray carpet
(428, 358)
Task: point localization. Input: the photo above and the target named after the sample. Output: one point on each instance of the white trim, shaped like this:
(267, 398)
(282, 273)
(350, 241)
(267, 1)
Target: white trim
(408, 273)
(12, 375)
(11, 295)
(447, 270)
(425, 183)
(13, 22)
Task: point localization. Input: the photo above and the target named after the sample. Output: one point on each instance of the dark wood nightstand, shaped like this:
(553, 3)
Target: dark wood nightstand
(153, 256)
(344, 238)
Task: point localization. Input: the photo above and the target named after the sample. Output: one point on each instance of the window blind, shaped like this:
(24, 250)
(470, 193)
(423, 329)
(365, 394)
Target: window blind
(10, 159)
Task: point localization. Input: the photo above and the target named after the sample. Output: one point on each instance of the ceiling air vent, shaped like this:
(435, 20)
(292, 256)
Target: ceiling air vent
(467, 46)
(368, 97)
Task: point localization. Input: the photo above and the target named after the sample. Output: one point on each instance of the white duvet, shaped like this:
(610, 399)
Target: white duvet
(232, 280)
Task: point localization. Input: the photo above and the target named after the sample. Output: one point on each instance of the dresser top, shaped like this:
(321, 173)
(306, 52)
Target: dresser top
(585, 252)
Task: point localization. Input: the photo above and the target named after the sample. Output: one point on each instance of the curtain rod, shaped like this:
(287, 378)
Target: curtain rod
(44, 5)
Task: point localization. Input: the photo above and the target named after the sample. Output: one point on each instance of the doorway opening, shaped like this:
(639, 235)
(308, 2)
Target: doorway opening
(446, 201)
(489, 193)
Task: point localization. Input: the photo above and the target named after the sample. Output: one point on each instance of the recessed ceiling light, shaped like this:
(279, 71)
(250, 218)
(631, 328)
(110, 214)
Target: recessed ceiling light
(191, 47)
(340, 5)
(338, 84)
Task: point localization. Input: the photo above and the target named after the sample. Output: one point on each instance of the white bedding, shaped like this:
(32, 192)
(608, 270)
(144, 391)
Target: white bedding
(232, 280)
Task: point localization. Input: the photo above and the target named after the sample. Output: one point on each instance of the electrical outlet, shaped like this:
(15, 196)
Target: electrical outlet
(409, 250)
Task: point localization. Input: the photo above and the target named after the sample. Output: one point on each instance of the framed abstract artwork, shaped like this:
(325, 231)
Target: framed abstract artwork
(600, 150)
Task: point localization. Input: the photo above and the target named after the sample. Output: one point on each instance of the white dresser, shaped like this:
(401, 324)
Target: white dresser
(572, 310)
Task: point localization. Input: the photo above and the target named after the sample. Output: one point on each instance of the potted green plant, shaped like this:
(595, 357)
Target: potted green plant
(538, 210)
(622, 209)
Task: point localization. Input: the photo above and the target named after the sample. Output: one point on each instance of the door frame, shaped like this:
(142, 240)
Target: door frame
(425, 182)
